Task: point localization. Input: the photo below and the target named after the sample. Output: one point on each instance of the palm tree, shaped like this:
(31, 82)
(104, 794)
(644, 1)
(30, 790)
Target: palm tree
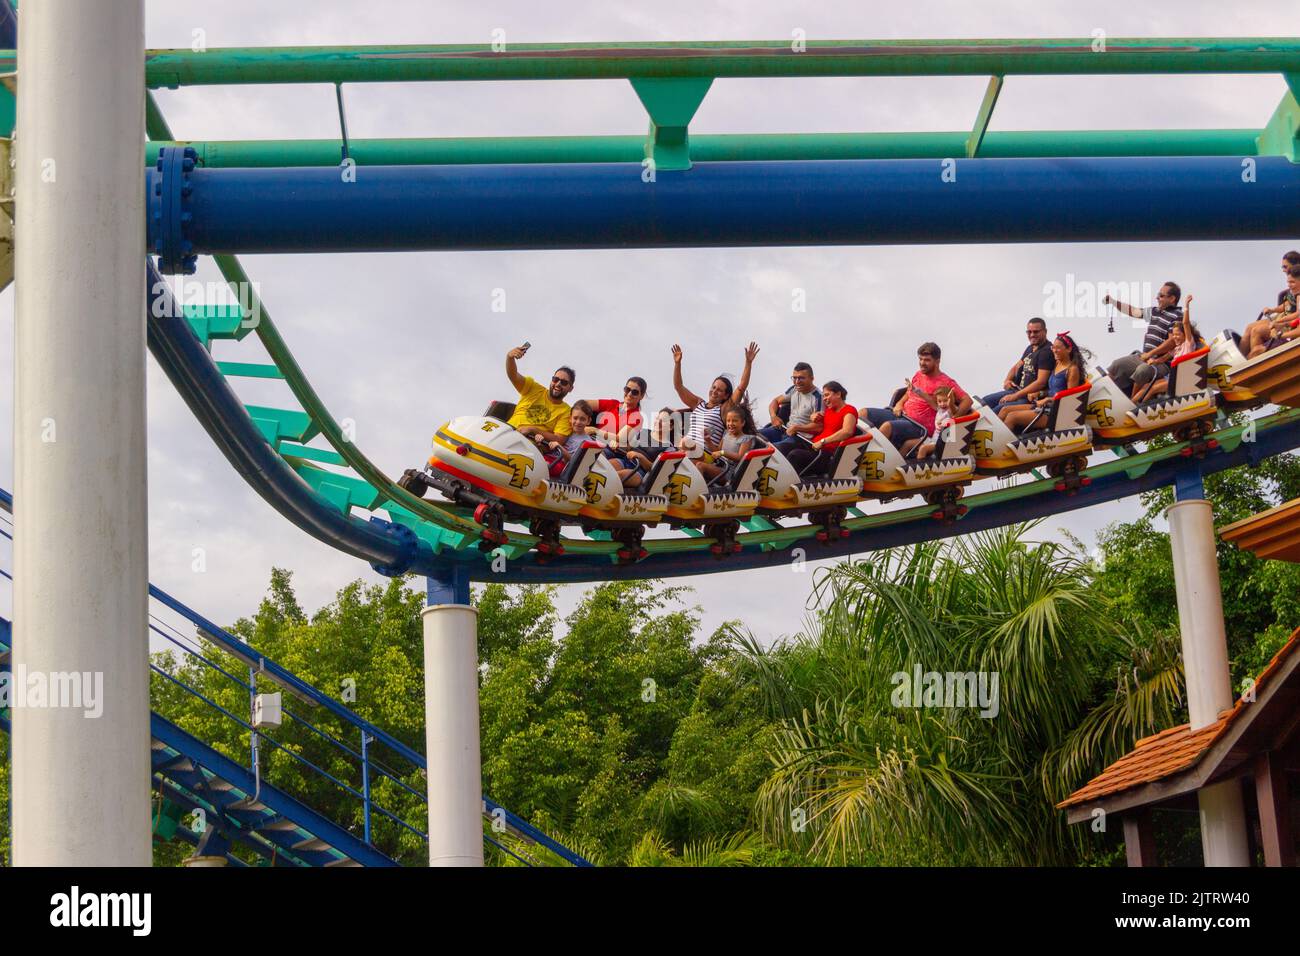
(862, 777)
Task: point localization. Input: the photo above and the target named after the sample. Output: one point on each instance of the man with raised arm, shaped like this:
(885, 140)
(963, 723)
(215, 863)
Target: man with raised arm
(541, 413)
(1133, 369)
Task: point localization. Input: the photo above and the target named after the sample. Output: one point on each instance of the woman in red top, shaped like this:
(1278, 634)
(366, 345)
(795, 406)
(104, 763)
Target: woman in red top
(839, 423)
(616, 420)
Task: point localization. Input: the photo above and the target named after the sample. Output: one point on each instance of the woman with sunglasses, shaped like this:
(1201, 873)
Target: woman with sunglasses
(615, 419)
(1069, 372)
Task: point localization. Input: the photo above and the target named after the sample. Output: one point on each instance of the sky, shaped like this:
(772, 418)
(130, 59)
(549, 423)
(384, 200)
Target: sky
(402, 342)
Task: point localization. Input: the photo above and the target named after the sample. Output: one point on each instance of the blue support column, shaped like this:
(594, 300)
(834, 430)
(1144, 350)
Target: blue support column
(451, 586)
(1188, 485)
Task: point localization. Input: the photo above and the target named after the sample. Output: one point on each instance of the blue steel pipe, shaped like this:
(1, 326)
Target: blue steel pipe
(390, 548)
(405, 208)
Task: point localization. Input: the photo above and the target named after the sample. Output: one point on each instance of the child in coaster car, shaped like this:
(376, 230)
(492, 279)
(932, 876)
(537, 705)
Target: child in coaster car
(738, 439)
(942, 419)
(1186, 339)
(559, 455)
(645, 447)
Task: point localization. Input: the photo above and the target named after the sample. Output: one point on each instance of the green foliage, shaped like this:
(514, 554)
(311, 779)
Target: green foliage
(860, 779)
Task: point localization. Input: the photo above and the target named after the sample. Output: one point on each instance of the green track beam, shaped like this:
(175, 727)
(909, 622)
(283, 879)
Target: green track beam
(713, 59)
(720, 148)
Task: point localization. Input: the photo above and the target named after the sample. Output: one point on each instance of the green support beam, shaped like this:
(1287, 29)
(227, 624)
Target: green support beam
(1281, 137)
(671, 104)
(717, 148)
(983, 116)
(711, 59)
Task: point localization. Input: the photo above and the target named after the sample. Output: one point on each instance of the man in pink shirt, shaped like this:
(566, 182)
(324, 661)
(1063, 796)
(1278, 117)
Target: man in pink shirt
(913, 415)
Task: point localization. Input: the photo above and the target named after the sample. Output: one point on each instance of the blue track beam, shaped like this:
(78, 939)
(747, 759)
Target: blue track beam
(609, 205)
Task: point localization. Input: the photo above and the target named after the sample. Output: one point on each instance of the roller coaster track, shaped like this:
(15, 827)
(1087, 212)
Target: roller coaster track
(337, 481)
(327, 490)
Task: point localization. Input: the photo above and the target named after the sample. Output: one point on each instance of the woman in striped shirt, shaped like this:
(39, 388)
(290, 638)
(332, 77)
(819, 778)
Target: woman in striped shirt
(705, 430)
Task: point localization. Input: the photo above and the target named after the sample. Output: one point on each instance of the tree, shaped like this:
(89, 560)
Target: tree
(863, 775)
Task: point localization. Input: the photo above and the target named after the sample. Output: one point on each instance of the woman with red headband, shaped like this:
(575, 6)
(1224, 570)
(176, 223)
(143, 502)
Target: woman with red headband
(1068, 373)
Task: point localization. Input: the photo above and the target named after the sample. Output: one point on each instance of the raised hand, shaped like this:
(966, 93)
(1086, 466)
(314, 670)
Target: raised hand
(750, 352)
(516, 353)
(677, 354)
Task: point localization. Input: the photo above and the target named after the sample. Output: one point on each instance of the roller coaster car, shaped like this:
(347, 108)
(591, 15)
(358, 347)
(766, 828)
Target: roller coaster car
(483, 461)
(783, 492)
(1225, 358)
(1059, 435)
(886, 474)
(1187, 408)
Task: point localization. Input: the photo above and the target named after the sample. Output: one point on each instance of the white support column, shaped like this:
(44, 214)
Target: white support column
(1205, 659)
(451, 726)
(81, 782)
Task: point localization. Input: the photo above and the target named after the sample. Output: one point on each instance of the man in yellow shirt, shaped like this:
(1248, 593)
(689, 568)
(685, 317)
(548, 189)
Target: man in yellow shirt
(541, 414)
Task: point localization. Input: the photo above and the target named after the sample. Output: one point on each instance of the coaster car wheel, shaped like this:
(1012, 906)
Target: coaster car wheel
(1069, 473)
(832, 528)
(492, 517)
(548, 530)
(946, 504)
(724, 539)
(631, 551)
(1195, 433)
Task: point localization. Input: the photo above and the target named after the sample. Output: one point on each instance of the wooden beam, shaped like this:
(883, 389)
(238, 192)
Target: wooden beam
(1139, 838)
(1274, 811)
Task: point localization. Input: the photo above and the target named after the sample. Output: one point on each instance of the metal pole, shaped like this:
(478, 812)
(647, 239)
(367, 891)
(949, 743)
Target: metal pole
(365, 780)
(1205, 659)
(716, 148)
(313, 209)
(453, 765)
(81, 781)
(254, 737)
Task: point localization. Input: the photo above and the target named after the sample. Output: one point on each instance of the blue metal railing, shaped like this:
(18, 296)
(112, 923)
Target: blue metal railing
(367, 766)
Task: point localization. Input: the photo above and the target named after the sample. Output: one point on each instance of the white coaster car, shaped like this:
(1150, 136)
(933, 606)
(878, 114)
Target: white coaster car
(1187, 408)
(1058, 435)
(886, 474)
(489, 455)
(1225, 358)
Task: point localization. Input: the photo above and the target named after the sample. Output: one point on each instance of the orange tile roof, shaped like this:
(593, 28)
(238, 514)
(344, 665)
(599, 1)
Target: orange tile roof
(1170, 751)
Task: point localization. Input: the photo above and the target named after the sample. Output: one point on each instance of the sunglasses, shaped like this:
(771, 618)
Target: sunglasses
(631, 391)
(556, 380)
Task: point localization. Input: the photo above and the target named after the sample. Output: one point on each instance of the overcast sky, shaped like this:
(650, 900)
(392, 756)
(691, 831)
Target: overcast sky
(401, 342)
